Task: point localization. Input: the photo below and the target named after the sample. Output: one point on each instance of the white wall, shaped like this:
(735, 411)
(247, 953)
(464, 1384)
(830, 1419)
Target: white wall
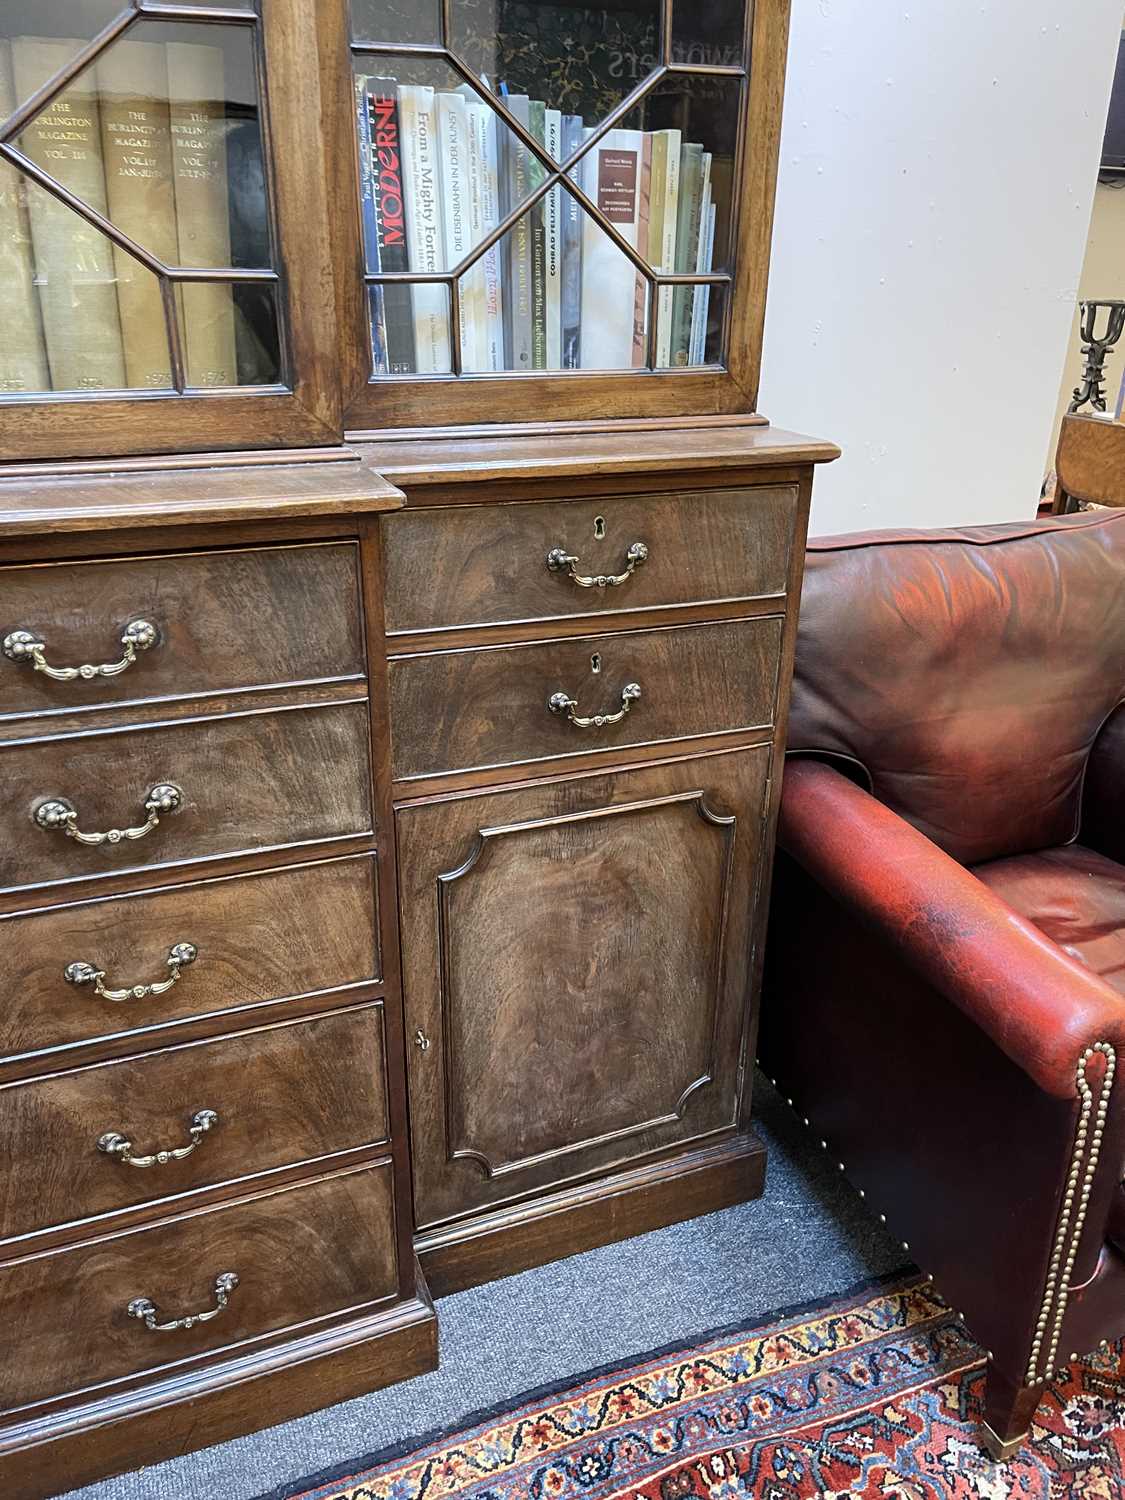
(938, 164)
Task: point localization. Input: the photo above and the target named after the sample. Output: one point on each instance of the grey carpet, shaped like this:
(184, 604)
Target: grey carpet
(809, 1236)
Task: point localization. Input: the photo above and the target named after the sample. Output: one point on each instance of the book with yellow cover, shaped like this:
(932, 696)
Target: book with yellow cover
(23, 355)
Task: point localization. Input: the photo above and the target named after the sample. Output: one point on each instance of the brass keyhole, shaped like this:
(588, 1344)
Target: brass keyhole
(599, 528)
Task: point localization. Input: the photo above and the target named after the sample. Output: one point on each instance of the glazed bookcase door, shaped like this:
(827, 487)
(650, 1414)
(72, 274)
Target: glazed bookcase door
(545, 274)
(599, 1024)
(161, 212)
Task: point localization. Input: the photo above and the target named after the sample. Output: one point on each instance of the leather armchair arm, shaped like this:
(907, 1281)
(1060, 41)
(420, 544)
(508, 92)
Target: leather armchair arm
(1103, 796)
(1041, 1007)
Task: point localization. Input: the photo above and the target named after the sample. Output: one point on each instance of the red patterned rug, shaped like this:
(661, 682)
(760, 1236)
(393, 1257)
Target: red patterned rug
(873, 1394)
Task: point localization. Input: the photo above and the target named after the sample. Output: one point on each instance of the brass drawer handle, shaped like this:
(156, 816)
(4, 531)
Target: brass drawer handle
(145, 1310)
(558, 558)
(560, 703)
(120, 1147)
(179, 957)
(138, 635)
(162, 800)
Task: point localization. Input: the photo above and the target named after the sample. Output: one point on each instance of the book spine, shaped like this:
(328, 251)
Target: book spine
(537, 124)
(453, 158)
(609, 280)
(519, 243)
(136, 134)
(493, 354)
(376, 320)
(387, 195)
(702, 293)
(571, 294)
(640, 290)
(553, 226)
(472, 282)
(23, 354)
(424, 237)
(666, 249)
(74, 261)
(687, 249)
(197, 106)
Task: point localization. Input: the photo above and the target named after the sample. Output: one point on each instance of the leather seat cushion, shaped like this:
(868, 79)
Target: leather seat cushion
(1073, 895)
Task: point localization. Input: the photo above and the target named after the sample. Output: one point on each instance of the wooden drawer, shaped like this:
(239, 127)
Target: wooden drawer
(250, 618)
(461, 710)
(282, 1094)
(258, 938)
(477, 565)
(300, 1254)
(249, 781)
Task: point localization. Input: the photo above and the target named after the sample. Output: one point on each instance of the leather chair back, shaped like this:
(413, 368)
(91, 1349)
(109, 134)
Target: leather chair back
(968, 673)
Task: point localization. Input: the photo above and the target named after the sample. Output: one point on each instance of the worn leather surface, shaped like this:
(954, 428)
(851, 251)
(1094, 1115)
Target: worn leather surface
(1073, 895)
(968, 673)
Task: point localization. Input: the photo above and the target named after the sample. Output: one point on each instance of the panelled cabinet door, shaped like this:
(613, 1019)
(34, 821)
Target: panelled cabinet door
(575, 960)
(162, 213)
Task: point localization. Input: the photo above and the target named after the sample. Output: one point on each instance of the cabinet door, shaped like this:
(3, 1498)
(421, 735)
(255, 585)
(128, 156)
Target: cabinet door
(575, 960)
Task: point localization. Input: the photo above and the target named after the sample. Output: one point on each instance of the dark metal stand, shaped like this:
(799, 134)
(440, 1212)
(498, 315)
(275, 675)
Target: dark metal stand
(1095, 349)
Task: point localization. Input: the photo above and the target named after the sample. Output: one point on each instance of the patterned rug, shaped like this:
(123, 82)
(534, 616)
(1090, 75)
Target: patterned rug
(874, 1394)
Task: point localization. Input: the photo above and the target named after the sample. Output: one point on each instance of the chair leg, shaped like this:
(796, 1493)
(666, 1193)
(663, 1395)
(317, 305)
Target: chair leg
(1008, 1410)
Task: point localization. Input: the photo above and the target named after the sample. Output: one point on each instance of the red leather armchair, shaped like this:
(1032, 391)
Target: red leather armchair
(945, 971)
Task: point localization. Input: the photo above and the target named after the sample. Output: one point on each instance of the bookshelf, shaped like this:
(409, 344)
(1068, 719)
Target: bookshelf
(599, 243)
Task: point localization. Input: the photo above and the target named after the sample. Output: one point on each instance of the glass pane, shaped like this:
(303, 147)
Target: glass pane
(555, 294)
(161, 135)
(580, 61)
(73, 23)
(688, 133)
(707, 33)
(410, 329)
(381, 21)
(689, 326)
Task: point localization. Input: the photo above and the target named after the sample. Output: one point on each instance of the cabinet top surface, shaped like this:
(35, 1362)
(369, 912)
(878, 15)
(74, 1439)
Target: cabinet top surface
(542, 451)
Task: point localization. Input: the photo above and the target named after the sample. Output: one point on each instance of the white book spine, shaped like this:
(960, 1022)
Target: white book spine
(424, 233)
(702, 300)
(472, 283)
(701, 247)
(553, 227)
(668, 247)
(493, 358)
(612, 180)
(455, 207)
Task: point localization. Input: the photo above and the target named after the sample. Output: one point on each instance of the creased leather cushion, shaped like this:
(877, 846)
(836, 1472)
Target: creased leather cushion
(968, 672)
(1073, 895)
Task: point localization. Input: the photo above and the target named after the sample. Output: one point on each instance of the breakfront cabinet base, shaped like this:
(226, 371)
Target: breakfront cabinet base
(613, 1208)
(115, 1434)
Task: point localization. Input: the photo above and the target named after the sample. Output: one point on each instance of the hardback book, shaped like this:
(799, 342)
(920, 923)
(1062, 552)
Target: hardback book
(640, 291)
(518, 286)
(453, 159)
(197, 108)
(23, 354)
(472, 291)
(688, 218)
(484, 276)
(662, 230)
(611, 178)
(537, 125)
(376, 318)
(573, 133)
(73, 261)
(552, 217)
(425, 239)
(387, 202)
(137, 155)
(702, 302)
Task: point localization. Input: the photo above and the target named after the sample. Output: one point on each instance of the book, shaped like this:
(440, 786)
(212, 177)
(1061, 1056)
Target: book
(640, 291)
(570, 316)
(612, 180)
(518, 288)
(425, 240)
(552, 217)
(74, 268)
(23, 354)
(136, 137)
(486, 271)
(697, 349)
(453, 157)
(394, 303)
(376, 318)
(688, 218)
(662, 230)
(197, 112)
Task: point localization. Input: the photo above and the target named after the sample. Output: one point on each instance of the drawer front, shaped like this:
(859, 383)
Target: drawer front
(460, 710)
(249, 782)
(257, 938)
(281, 1095)
(299, 1254)
(479, 565)
(223, 620)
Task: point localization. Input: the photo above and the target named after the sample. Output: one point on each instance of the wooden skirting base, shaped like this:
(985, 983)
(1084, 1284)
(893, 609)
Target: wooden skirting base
(179, 1414)
(513, 1239)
